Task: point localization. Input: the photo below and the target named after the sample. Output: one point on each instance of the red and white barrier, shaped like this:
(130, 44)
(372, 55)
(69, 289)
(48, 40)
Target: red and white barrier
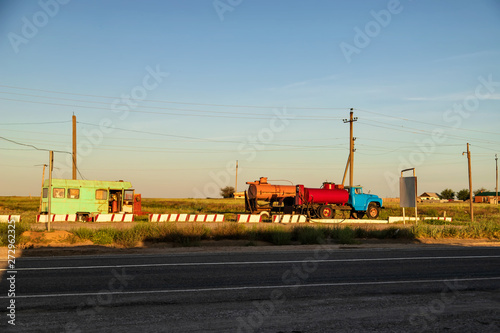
(208, 218)
(288, 218)
(119, 217)
(168, 217)
(7, 218)
(56, 218)
(249, 218)
(186, 218)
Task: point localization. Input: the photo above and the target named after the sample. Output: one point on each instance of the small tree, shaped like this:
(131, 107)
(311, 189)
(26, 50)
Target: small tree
(227, 192)
(482, 189)
(463, 194)
(447, 194)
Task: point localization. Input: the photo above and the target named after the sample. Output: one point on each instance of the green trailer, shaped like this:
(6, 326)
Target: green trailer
(86, 198)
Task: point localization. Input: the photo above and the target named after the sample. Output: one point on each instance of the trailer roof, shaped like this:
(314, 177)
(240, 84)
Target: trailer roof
(88, 183)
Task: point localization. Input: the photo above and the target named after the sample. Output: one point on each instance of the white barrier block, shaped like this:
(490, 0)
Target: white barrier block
(288, 218)
(7, 218)
(186, 218)
(393, 219)
(348, 221)
(56, 218)
(157, 217)
(447, 219)
(103, 218)
(42, 218)
(128, 218)
(119, 217)
(64, 218)
(249, 218)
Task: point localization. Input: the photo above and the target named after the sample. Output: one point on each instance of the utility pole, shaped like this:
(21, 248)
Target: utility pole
(51, 166)
(41, 191)
(470, 185)
(74, 146)
(236, 181)
(496, 188)
(351, 147)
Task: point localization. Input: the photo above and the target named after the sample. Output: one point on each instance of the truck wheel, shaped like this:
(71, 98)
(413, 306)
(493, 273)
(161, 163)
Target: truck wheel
(373, 210)
(326, 212)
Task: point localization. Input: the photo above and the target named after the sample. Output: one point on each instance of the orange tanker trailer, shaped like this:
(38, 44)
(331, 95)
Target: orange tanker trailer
(275, 195)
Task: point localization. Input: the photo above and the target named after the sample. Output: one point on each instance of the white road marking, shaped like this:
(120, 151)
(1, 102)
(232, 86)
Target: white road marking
(248, 263)
(338, 284)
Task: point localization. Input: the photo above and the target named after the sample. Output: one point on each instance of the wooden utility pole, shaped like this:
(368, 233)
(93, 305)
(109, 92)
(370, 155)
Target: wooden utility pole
(496, 188)
(351, 147)
(51, 166)
(236, 181)
(74, 147)
(470, 185)
(41, 191)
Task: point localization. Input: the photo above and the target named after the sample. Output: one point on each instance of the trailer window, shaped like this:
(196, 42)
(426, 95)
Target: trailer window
(129, 195)
(58, 193)
(101, 194)
(45, 192)
(74, 193)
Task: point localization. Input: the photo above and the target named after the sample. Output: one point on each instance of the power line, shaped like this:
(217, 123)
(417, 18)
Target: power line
(156, 107)
(40, 149)
(425, 123)
(175, 114)
(37, 123)
(197, 138)
(184, 103)
(419, 131)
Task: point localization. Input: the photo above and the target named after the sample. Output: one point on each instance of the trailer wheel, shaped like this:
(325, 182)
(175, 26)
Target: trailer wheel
(326, 212)
(373, 210)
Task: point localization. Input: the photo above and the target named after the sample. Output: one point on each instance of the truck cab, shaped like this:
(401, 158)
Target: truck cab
(362, 204)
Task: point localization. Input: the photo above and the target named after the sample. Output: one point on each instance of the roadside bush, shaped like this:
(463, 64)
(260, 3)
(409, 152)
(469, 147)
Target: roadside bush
(4, 232)
(104, 236)
(308, 235)
(275, 235)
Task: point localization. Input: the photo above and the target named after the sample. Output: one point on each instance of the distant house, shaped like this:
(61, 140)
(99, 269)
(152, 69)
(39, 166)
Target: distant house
(239, 195)
(485, 197)
(426, 196)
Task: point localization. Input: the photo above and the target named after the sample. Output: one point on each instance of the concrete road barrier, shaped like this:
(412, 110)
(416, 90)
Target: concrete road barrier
(7, 218)
(118, 217)
(56, 218)
(249, 218)
(289, 218)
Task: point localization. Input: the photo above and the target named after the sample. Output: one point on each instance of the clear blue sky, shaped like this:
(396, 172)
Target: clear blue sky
(189, 87)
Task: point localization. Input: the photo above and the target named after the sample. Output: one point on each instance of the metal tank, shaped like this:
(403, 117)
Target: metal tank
(327, 195)
(262, 190)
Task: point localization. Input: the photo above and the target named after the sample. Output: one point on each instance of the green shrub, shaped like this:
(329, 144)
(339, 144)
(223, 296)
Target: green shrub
(20, 227)
(308, 235)
(104, 236)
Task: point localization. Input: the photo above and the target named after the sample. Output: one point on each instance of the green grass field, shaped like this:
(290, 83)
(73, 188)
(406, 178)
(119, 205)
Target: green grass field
(486, 225)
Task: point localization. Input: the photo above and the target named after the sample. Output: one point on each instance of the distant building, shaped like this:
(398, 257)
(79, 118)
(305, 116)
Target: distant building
(426, 196)
(239, 195)
(486, 197)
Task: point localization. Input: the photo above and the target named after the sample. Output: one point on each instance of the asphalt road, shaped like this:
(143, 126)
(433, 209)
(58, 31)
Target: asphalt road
(314, 290)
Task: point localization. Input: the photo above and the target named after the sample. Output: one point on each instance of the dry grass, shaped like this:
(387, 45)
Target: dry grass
(487, 225)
